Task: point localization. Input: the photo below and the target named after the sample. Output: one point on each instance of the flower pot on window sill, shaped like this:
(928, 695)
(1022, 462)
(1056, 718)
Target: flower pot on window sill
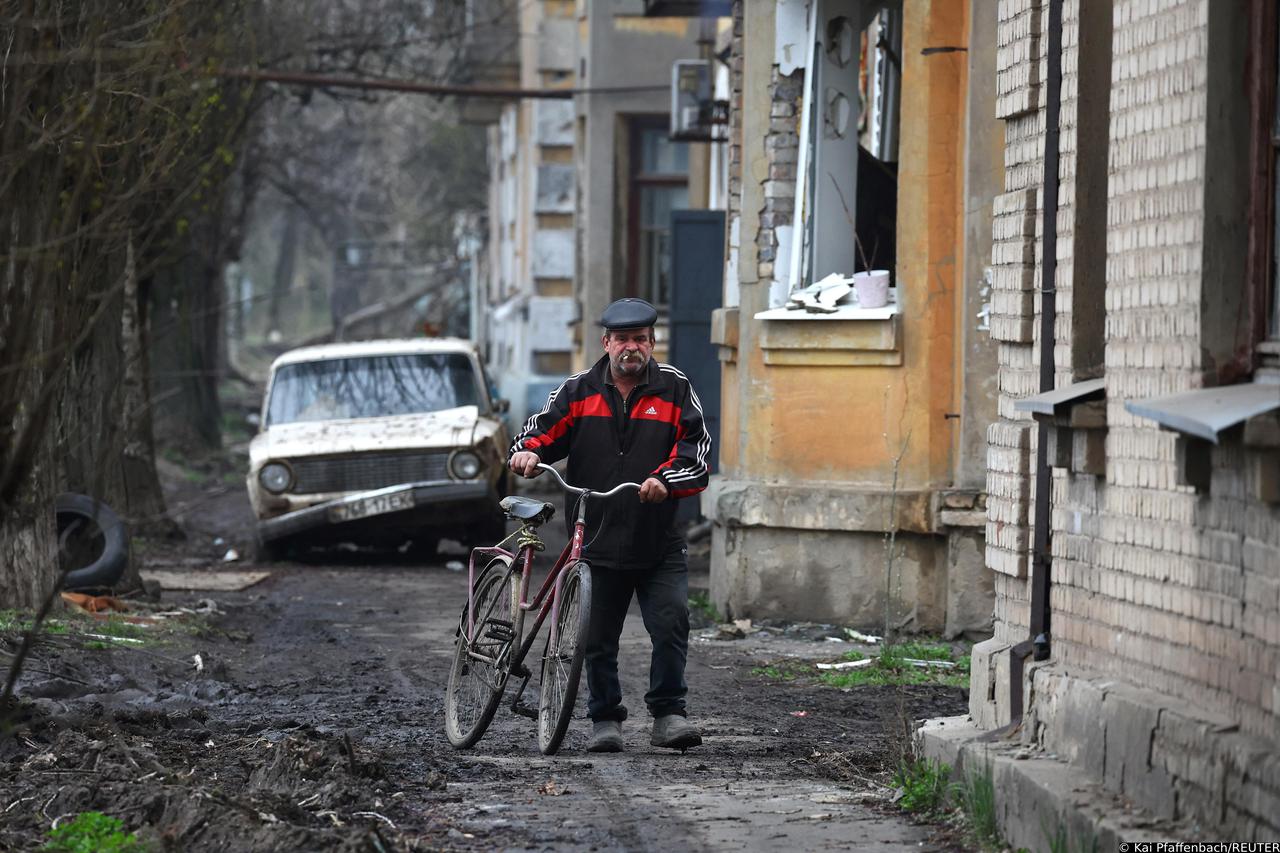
(871, 288)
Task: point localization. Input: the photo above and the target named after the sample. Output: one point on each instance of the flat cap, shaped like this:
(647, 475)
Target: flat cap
(629, 313)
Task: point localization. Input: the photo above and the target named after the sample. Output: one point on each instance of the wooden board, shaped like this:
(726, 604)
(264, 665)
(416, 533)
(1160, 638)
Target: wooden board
(209, 581)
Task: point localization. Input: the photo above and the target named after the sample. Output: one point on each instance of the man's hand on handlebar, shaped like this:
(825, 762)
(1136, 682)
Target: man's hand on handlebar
(525, 463)
(653, 491)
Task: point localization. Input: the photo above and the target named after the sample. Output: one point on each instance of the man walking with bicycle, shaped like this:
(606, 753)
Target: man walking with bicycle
(629, 419)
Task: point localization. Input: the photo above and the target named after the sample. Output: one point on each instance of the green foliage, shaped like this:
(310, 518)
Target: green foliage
(21, 621)
(93, 832)
(779, 672)
(79, 625)
(700, 602)
(976, 796)
(891, 667)
(1059, 842)
(115, 626)
(924, 785)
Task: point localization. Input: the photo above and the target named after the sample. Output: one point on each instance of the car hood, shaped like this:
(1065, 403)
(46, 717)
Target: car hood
(448, 428)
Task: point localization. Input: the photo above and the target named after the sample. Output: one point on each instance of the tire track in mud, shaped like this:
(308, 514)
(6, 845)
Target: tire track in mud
(340, 691)
(747, 784)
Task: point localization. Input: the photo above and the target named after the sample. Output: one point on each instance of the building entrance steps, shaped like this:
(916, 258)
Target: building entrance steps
(1042, 800)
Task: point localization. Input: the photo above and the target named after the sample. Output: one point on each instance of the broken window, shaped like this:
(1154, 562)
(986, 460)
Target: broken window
(847, 187)
(377, 386)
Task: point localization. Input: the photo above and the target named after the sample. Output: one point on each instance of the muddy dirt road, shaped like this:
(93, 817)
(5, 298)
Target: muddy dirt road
(314, 721)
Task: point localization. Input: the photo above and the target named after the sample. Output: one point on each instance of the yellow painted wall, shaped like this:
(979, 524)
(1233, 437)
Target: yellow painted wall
(849, 423)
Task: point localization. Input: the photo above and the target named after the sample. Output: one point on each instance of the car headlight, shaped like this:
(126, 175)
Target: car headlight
(275, 477)
(465, 465)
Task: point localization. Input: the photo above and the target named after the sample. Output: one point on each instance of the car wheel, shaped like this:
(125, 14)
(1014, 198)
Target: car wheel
(270, 551)
(424, 547)
(93, 543)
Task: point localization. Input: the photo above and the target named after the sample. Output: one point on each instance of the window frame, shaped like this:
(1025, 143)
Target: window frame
(1264, 240)
(637, 181)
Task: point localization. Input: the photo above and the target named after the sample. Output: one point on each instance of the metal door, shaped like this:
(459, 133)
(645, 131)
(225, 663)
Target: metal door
(697, 273)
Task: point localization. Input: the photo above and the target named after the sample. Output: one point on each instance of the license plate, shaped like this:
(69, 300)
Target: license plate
(376, 505)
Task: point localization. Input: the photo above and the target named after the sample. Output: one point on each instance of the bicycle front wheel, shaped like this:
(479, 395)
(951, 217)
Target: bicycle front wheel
(562, 663)
(482, 662)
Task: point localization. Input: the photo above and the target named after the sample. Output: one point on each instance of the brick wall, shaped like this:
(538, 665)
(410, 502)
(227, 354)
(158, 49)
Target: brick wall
(735, 117)
(782, 148)
(1015, 278)
(1154, 585)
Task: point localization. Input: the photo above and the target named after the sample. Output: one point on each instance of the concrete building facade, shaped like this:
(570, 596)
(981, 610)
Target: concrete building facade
(1137, 633)
(630, 174)
(579, 188)
(526, 299)
(849, 489)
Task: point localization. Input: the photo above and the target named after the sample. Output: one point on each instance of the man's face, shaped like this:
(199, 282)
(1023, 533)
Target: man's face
(629, 351)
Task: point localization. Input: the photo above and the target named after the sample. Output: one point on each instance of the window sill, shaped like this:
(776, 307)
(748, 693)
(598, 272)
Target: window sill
(1202, 416)
(842, 312)
(1076, 420)
(851, 336)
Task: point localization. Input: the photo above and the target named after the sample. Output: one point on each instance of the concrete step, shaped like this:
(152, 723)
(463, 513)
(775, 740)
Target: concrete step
(1042, 799)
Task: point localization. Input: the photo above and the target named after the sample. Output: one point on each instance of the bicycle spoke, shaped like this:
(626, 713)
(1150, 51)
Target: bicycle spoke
(480, 669)
(562, 660)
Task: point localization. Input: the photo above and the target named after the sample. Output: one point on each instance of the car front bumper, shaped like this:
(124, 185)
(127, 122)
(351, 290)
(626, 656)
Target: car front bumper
(364, 505)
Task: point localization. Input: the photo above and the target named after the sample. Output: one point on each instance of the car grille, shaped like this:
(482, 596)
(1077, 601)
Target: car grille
(366, 471)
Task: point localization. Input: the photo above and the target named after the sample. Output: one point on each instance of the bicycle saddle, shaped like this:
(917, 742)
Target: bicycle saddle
(527, 509)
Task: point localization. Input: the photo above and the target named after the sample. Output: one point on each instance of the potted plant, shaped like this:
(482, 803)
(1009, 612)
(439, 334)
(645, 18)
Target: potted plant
(871, 285)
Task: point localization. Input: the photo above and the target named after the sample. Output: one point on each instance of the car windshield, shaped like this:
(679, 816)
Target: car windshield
(371, 387)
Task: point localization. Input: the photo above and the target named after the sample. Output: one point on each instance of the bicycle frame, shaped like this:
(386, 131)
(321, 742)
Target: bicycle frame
(547, 600)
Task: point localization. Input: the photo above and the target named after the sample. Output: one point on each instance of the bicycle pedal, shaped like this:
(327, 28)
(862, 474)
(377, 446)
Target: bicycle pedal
(524, 710)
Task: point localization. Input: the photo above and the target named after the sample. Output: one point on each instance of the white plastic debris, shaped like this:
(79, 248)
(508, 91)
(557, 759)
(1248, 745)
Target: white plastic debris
(231, 556)
(108, 638)
(861, 637)
(848, 664)
(199, 662)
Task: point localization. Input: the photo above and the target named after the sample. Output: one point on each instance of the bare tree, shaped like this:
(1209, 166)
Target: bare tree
(104, 153)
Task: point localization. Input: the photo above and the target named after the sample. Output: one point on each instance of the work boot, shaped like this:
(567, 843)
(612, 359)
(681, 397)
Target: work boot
(674, 732)
(606, 736)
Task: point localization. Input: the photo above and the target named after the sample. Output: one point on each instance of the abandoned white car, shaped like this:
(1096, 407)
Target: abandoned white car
(381, 442)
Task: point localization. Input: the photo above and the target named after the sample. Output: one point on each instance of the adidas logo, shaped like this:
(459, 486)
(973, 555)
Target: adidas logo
(651, 411)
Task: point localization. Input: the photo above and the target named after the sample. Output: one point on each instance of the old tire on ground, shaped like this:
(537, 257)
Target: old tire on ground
(93, 543)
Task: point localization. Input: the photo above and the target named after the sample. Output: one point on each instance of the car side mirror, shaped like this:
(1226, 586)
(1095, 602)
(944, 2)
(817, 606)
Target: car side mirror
(502, 405)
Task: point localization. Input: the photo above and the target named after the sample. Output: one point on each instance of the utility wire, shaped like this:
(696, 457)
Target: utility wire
(304, 78)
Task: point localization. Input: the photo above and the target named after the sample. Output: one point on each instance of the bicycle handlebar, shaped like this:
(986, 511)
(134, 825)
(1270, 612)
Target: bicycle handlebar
(578, 491)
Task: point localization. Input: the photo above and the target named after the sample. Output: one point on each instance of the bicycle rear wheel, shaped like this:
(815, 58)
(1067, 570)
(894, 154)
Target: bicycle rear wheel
(562, 663)
(481, 663)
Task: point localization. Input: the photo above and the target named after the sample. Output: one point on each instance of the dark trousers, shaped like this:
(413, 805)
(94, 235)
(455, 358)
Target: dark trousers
(663, 592)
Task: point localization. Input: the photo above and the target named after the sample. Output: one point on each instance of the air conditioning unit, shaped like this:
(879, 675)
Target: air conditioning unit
(695, 114)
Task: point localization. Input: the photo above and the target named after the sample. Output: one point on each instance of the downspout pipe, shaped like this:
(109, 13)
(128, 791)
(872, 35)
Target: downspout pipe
(1037, 643)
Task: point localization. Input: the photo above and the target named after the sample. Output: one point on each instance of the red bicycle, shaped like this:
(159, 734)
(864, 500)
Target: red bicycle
(491, 644)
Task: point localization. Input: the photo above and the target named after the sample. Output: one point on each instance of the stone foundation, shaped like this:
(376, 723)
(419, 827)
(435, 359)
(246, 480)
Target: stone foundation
(822, 553)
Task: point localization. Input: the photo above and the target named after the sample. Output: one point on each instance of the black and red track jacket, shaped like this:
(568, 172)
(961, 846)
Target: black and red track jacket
(657, 432)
